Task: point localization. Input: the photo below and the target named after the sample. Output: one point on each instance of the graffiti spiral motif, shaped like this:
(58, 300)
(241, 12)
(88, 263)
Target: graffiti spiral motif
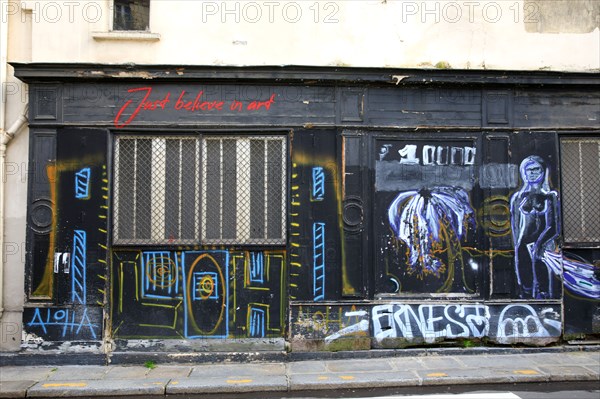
(495, 216)
(161, 272)
(206, 287)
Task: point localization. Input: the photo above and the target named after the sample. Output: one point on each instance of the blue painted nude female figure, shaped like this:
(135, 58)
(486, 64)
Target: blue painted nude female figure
(535, 229)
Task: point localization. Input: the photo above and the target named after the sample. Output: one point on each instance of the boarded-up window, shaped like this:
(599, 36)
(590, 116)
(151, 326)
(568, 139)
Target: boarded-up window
(187, 190)
(580, 168)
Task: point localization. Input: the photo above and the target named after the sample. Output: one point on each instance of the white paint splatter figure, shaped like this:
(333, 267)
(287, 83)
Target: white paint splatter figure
(535, 228)
(425, 219)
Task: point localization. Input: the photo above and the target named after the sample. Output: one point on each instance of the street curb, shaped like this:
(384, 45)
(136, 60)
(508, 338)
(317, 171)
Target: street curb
(133, 358)
(15, 389)
(129, 358)
(96, 388)
(429, 369)
(175, 387)
(415, 352)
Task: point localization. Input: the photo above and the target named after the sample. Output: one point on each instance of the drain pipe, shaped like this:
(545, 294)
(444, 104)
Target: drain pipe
(3, 141)
(7, 136)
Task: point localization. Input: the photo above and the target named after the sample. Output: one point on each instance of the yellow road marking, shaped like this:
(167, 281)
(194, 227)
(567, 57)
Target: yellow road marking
(346, 377)
(238, 381)
(437, 375)
(65, 384)
(526, 372)
(322, 378)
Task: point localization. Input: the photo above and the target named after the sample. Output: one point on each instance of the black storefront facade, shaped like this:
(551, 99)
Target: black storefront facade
(325, 208)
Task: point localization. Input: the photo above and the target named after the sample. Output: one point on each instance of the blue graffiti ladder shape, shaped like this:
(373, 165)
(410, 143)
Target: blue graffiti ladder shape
(78, 261)
(319, 261)
(318, 186)
(257, 323)
(82, 183)
(257, 267)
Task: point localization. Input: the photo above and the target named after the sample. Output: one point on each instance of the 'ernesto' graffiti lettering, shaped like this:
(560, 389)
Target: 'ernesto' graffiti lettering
(430, 321)
(505, 324)
(184, 102)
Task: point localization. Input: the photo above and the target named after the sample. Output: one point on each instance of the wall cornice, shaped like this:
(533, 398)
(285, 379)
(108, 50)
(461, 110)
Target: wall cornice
(63, 72)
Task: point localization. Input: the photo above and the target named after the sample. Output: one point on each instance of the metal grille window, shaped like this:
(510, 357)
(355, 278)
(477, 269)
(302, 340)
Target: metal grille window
(243, 190)
(580, 168)
(156, 186)
(163, 185)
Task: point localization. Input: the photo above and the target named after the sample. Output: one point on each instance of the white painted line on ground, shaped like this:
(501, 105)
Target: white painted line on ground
(479, 395)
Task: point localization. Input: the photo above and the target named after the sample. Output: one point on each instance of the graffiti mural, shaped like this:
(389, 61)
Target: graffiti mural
(582, 291)
(423, 219)
(206, 294)
(520, 322)
(394, 325)
(78, 267)
(324, 327)
(42, 279)
(386, 237)
(65, 324)
(198, 294)
(579, 277)
(535, 228)
(427, 224)
(317, 192)
(429, 323)
(74, 286)
(82, 184)
(319, 261)
(315, 225)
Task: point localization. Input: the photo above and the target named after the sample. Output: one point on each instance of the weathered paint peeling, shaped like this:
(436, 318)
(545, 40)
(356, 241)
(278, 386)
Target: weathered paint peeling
(561, 16)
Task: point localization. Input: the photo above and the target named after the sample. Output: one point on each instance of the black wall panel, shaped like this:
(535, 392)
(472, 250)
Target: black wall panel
(396, 193)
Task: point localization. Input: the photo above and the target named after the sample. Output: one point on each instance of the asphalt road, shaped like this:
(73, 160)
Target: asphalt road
(578, 390)
(574, 390)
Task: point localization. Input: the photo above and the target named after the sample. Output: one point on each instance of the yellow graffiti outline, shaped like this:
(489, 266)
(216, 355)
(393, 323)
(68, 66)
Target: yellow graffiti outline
(329, 164)
(188, 298)
(46, 285)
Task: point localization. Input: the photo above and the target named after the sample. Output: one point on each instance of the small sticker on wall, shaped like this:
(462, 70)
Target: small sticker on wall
(62, 261)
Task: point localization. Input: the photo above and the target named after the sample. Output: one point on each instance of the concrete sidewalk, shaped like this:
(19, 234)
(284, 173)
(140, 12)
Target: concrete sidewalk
(403, 371)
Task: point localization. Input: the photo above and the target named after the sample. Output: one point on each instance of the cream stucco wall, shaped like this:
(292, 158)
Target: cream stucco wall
(366, 33)
(15, 181)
